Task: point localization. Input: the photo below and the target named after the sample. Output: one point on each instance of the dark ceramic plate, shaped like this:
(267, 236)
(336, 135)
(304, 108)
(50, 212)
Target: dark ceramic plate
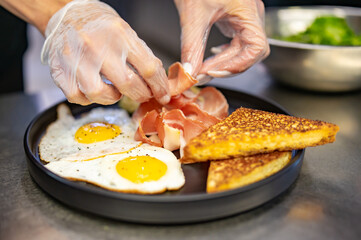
(190, 204)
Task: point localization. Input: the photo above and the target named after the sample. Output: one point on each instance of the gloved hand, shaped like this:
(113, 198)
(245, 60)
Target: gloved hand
(86, 40)
(241, 20)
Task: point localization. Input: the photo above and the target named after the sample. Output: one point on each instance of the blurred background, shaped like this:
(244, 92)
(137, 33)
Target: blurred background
(155, 21)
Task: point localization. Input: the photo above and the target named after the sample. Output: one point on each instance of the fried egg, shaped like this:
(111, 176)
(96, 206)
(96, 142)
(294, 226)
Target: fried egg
(145, 169)
(100, 132)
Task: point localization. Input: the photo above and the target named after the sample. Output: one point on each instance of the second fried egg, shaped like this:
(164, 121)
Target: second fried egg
(146, 169)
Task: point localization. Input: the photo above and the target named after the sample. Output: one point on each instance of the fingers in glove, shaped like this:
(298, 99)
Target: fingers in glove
(195, 23)
(219, 49)
(150, 68)
(86, 60)
(248, 46)
(125, 79)
(94, 88)
(69, 87)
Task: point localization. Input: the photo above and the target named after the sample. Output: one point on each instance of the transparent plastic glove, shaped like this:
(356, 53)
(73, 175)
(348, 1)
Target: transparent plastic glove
(240, 20)
(87, 40)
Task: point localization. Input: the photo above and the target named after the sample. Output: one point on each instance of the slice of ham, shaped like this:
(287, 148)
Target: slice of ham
(193, 111)
(184, 117)
(146, 107)
(213, 102)
(190, 127)
(148, 128)
(179, 79)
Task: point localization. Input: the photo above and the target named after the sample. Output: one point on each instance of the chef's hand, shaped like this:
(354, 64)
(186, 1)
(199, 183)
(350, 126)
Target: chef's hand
(86, 40)
(241, 20)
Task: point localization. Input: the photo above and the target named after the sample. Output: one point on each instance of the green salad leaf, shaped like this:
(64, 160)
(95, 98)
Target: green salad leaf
(327, 30)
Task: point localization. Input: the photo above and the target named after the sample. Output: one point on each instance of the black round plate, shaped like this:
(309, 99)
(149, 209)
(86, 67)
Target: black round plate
(190, 204)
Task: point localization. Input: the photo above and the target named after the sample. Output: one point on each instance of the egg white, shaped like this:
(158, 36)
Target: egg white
(102, 171)
(59, 141)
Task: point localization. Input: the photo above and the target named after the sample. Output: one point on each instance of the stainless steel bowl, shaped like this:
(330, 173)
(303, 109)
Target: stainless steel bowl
(310, 66)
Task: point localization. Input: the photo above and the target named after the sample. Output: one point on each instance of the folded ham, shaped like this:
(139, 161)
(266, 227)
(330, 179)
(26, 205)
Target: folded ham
(187, 114)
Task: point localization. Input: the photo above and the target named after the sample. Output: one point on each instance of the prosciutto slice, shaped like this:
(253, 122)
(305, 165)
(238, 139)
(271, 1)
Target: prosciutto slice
(179, 80)
(186, 115)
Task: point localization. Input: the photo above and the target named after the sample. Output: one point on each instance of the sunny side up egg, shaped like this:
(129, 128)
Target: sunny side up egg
(100, 132)
(99, 148)
(145, 169)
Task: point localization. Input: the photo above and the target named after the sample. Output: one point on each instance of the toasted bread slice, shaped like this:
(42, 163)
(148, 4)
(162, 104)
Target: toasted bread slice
(248, 131)
(237, 172)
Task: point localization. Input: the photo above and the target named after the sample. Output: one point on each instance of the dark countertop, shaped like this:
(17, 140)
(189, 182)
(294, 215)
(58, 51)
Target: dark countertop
(324, 203)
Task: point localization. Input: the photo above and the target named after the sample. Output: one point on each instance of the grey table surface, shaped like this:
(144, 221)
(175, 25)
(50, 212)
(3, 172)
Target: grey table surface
(324, 202)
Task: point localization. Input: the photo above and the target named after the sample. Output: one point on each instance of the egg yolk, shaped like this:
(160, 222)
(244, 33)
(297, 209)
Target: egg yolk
(140, 169)
(96, 132)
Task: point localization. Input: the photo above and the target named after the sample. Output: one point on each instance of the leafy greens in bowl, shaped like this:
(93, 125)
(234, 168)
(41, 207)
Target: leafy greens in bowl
(327, 30)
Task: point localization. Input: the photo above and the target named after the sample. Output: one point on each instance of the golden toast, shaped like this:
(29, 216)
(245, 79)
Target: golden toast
(237, 172)
(248, 131)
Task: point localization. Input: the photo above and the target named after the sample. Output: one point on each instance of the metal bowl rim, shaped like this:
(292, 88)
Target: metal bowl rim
(297, 45)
